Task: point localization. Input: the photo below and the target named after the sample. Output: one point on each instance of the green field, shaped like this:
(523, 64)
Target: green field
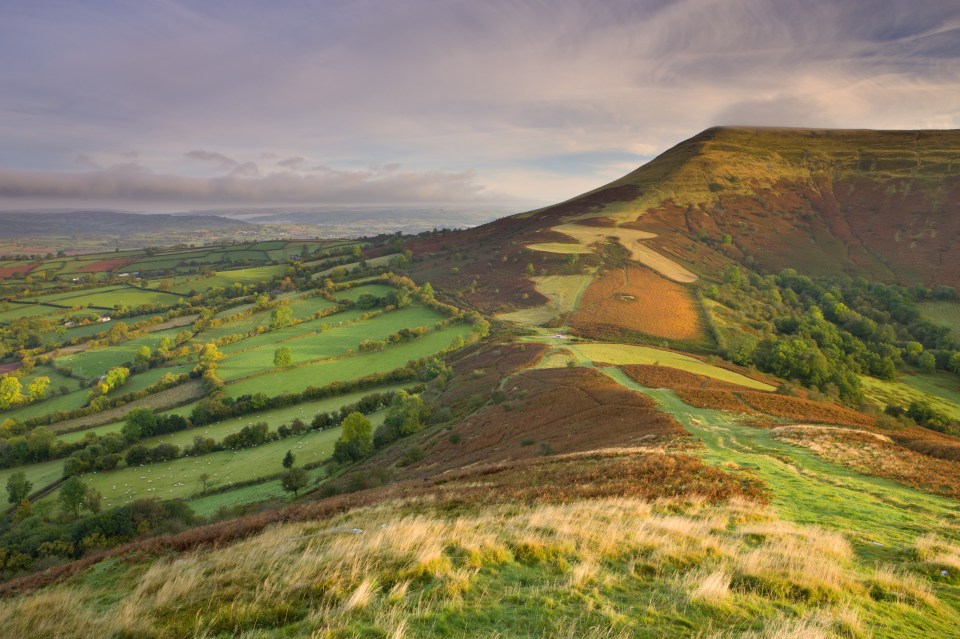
(309, 346)
(66, 299)
(219, 430)
(112, 296)
(622, 354)
(383, 260)
(95, 362)
(180, 477)
(353, 294)
(940, 390)
(55, 401)
(19, 311)
(296, 379)
(225, 279)
(41, 475)
(943, 313)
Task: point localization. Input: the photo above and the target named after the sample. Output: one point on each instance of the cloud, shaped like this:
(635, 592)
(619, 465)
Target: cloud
(133, 183)
(219, 160)
(492, 87)
(295, 162)
(85, 161)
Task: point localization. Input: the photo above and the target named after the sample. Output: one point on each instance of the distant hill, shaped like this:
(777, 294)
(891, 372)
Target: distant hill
(48, 224)
(884, 204)
(880, 204)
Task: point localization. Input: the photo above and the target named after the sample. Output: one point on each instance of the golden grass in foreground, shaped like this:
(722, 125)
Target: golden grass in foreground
(407, 571)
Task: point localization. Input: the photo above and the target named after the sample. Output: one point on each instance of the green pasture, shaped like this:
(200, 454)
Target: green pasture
(66, 298)
(942, 313)
(332, 342)
(41, 475)
(373, 262)
(20, 311)
(623, 354)
(227, 278)
(308, 327)
(180, 478)
(353, 294)
(940, 390)
(97, 361)
(296, 378)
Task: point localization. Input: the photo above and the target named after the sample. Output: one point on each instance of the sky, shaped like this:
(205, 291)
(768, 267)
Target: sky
(512, 104)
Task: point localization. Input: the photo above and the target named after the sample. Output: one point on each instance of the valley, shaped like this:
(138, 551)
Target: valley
(657, 409)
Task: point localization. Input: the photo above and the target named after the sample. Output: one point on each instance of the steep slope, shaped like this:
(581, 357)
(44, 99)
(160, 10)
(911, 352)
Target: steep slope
(882, 204)
(879, 203)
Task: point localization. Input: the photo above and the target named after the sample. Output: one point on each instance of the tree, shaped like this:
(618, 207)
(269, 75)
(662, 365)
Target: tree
(144, 354)
(140, 423)
(927, 362)
(114, 378)
(92, 500)
(204, 482)
(427, 293)
(280, 317)
(18, 487)
(37, 389)
(73, 494)
(10, 392)
(288, 460)
(210, 355)
(282, 357)
(406, 413)
(295, 480)
(356, 439)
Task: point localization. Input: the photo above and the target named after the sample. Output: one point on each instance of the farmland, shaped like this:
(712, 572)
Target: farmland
(180, 478)
(334, 336)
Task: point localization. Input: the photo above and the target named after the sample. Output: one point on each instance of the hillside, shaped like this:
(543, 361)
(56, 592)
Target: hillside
(699, 401)
(880, 204)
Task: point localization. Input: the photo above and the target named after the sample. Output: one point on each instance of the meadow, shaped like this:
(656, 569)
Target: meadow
(943, 313)
(940, 390)
(623, 354)
(297, 378)
(309, 345)
(180, 478)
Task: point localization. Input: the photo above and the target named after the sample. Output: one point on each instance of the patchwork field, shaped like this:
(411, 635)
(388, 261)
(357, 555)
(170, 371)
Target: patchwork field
(636, 299)
(317, 344)
(296, 378)
(181, 477)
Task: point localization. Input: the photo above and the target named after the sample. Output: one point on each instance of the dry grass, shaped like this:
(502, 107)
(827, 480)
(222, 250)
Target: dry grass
(637, 299)
(406, 567)
(632, 240)
(938, 552)
(876, 454)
